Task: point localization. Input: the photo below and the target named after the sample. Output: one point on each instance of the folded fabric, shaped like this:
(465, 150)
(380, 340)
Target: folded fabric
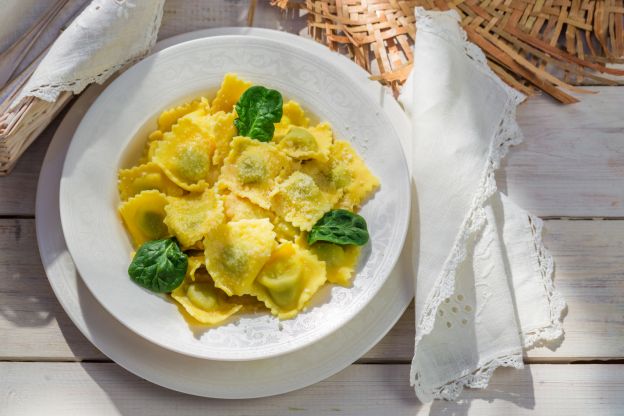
(106, 36)
(483, 277)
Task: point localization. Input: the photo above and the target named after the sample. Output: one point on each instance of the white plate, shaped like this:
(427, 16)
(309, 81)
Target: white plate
(114, 130)
(175, 371)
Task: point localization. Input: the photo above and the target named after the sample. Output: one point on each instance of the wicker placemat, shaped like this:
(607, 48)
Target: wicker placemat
(542, 44)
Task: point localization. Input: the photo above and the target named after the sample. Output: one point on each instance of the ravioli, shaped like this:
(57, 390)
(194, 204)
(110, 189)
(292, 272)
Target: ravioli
(169, 117)
(307, 143)
(194, 264)
(218, 127)
(186, 157)
(143, 215)
(205, 303)
(292, 115)
(143, 178)
(332, 177)
(192, 217)
(289, 279)
(362, 182)
(340, 261)
(239, 208)
(236, 251)
(300, 201)
(231, 89)
(252, 170)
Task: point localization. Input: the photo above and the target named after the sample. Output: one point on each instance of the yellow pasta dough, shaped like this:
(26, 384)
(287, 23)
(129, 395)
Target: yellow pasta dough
(300, 201)
(252, 170)
(217, 127)
(186, 157)
(238, 208)
(289, 279)
(195, 262)
(205, 303)
(192, 217)
(143, 178)
(169, 117)
(362, 182)
(241, 209)
(307, 143)
(143, 216)
(231, 89)
(236, 251)
(292, 115)
(340, 261)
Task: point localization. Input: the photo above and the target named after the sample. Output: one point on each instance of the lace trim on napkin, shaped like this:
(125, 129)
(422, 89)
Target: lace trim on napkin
(507, 134)
(540, 336)
(479, 378)
(77, 83)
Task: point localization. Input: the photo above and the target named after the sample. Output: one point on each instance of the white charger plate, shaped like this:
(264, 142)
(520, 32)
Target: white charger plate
(236, 380)
(113, 131)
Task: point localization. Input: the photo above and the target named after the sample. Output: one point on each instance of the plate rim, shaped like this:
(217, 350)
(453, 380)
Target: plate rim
(368, 88)
(44, 191)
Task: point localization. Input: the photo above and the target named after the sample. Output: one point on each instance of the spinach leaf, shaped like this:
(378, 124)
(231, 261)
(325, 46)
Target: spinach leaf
(340, 226)
(159, 265)
(258, 108)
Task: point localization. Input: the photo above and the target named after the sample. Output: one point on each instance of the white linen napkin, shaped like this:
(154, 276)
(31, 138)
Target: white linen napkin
(106, 36)
(483, 277)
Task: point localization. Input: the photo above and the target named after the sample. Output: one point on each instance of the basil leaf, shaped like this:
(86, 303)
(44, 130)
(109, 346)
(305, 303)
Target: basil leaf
(159, 265)
(340, 226)
(258, 109)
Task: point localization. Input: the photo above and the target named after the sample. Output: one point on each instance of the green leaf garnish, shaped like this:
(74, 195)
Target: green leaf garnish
(159, 265)
(340, 226)
(258, 109)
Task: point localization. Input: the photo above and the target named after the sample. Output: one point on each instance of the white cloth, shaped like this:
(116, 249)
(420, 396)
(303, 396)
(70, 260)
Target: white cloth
(106, 36)
(483, 277)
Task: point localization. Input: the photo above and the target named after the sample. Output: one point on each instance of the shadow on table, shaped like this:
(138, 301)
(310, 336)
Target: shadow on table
(508, 384)
(24, 297)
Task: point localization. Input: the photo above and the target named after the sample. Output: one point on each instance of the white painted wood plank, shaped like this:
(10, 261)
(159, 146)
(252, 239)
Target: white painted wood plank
(571, 163)
(33, 325)
(572, 160)
(589, 273)
(17, 191)
(102, 388)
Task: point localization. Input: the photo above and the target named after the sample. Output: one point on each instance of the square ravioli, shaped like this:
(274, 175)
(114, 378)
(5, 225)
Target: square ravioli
(185, 155)
(204, 302)
(300, 201)
(307, 143)
(192, 217)
(217, 127)
(292, 115)
(253, 169)
(362, 181)
(143, 215)
(169, 117)
(289, 279)
(231, 89)
(238, 208)
(148, 176)
(340, 261)
(236, 251)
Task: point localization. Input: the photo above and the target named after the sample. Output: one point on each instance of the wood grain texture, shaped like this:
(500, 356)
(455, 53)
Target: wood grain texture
(18, 190)
(571, 163)
(572, 160)
(589, 273)
(365, 389)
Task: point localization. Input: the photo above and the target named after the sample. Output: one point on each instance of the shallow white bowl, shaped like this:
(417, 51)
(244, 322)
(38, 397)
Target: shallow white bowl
(114, 130)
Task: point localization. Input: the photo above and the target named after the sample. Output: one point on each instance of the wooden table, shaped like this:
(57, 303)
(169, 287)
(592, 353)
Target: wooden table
(569, 171)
